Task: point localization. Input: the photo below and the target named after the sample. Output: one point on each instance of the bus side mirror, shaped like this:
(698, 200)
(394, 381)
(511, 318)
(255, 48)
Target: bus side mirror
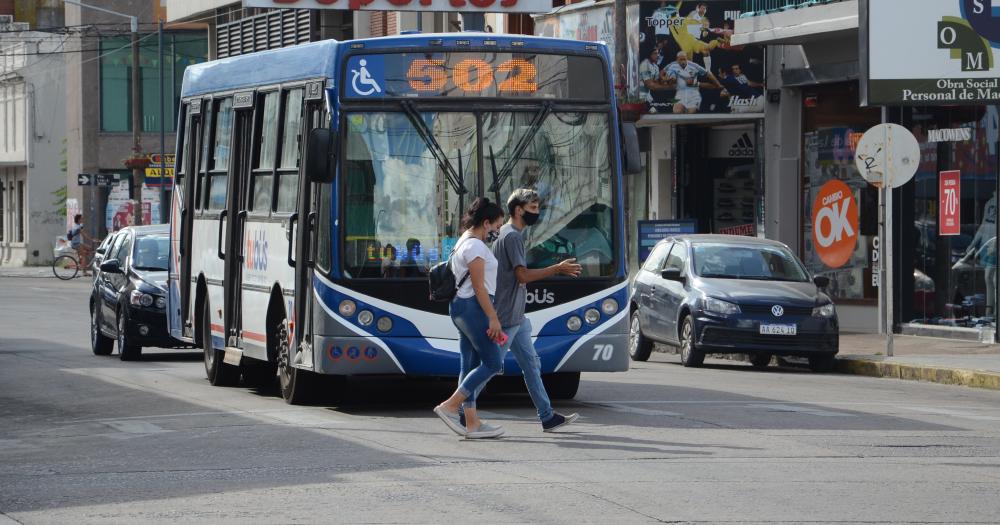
(319, 156)
(633, 158)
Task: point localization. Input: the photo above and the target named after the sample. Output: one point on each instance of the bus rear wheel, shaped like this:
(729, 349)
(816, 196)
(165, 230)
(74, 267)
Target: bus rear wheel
(298, 387)
(562, 385)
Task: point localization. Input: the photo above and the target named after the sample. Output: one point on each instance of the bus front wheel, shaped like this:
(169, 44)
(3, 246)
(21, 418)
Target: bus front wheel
(562, 385)
(298, 387)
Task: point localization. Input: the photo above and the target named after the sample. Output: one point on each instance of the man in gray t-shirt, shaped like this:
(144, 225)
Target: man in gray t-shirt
(513, 275)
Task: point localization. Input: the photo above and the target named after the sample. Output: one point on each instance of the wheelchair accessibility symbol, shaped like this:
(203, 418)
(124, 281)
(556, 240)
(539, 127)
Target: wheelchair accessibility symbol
(361, 78)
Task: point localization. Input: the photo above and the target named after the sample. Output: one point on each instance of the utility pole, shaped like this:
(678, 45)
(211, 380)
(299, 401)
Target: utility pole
(137, 170)
(621, 44)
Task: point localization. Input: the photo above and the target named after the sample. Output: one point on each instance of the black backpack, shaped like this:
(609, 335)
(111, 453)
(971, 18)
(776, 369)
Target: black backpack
(441, 281)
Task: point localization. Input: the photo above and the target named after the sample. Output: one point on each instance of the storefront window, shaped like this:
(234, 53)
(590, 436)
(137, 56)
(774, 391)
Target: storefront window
(839, 208)
(954, 230)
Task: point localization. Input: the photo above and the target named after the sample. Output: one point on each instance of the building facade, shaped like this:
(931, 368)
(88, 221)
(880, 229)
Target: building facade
(32, 145)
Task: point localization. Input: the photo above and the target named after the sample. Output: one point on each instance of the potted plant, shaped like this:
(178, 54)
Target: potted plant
(631, 107)
(137, 161)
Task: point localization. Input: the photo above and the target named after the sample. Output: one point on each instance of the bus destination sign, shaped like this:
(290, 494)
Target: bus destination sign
(474, 74)
(461, 6)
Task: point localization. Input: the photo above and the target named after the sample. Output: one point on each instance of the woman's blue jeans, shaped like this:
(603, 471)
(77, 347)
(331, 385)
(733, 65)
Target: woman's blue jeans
(475, 345)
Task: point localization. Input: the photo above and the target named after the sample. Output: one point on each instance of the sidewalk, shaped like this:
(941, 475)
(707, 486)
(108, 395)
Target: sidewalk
(26, 271)
(921, 359)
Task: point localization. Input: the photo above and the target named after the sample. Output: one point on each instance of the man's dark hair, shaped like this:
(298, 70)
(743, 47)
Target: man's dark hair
(77, 218)
(520, 197)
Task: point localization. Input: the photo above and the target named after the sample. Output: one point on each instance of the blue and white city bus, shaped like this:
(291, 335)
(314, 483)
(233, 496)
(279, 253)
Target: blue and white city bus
(317, 184)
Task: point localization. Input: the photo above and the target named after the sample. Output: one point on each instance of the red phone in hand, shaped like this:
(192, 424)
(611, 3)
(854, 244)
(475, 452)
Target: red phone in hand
(501, 339)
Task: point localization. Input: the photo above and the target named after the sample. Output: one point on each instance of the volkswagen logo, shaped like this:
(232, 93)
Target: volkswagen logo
(777, 310)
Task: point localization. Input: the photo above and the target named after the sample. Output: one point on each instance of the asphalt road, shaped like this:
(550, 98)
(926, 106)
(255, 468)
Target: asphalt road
(86, 439)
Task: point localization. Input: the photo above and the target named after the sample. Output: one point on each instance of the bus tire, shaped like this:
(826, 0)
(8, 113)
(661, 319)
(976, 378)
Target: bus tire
(219, 373)
(562, 385)
(298, 386)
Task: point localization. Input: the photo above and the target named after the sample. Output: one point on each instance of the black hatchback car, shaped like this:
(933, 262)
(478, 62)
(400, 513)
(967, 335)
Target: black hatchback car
(128, 302)
(709, 294)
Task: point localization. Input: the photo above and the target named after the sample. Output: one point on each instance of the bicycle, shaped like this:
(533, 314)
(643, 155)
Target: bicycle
(66, 266)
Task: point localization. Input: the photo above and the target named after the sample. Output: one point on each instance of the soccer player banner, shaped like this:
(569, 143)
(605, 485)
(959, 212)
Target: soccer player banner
(687, 63)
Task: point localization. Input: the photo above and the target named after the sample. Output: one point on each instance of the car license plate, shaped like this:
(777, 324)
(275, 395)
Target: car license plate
(778, 329)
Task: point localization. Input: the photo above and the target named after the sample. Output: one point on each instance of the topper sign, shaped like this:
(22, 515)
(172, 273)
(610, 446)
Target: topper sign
(485, 6)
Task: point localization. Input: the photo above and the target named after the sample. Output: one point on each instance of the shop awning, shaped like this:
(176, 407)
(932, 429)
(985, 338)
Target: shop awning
(661, 119)
(812, 21)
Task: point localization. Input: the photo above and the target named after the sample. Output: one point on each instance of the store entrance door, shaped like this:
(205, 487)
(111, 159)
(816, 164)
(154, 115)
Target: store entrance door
(720, 179)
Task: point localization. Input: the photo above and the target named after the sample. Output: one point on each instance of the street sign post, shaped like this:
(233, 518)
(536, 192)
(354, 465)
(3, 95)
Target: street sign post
(887, 157)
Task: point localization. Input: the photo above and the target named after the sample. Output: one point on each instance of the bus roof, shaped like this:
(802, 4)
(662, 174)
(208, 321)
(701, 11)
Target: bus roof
(318, 59)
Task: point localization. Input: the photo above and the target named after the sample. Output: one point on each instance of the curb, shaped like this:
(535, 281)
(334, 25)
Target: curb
(931, 374)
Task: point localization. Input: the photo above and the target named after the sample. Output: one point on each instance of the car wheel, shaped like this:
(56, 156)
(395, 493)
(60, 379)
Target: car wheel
(219, 373)
(639, 348)
(760, 361)
(691, 356)
(99, 343)
(562, 385)
(822, 363)
(127, 350)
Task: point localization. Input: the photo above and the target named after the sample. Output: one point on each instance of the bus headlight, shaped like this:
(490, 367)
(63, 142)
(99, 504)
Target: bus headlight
(365, 317)
(574, 323)
(384, 324)
(347, 308)
(592, 316)
(609, 306)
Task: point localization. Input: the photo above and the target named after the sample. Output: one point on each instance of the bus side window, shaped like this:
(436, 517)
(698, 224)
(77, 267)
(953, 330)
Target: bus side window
(267, 144)
(291, 151)
(218, 177)
(202, 169)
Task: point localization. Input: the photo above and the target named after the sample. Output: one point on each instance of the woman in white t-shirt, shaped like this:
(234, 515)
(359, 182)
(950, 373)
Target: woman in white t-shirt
(472, 311)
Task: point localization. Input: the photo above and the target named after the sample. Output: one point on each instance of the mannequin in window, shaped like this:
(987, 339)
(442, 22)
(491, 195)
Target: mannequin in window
(982, 251)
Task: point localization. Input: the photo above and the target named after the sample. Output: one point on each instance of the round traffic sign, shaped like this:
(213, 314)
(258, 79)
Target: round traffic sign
(835, 223)
(887, 155)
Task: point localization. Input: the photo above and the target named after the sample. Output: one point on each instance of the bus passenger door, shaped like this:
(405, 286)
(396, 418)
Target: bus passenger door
(185, 199)
(306, 232)
(243, 104)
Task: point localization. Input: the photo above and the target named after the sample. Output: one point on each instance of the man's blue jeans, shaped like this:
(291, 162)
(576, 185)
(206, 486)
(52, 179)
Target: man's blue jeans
(519, 343)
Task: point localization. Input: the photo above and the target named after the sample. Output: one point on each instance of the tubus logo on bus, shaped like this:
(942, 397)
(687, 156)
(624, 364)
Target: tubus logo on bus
(256, 251)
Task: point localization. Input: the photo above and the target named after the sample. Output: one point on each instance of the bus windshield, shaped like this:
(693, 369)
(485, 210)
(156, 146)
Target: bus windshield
(408, 176)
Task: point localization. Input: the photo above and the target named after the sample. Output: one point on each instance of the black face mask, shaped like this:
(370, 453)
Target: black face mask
(492, 236)
(530, 218)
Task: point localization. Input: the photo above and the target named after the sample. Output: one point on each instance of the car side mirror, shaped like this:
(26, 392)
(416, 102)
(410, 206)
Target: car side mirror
(319, 156)
(111, 266)
(821, 282)
(672, 274)
(633, 156)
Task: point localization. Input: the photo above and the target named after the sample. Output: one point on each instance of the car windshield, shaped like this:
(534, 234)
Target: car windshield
(150, 253)
(409, 175)
(735, 261)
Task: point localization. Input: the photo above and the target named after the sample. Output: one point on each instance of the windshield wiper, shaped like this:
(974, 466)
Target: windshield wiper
(149, 268)
(456, 179)
(536, 124)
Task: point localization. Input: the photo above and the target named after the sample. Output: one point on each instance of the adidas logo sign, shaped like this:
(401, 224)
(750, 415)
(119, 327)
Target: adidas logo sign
(742, 147)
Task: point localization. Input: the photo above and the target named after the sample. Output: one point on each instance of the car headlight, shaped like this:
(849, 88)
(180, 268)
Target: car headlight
(137, 298)
(609, 306)
(161, 302)
(718, 306)
(574, 323)
(592, 316)
(347, 308)
(827, 310)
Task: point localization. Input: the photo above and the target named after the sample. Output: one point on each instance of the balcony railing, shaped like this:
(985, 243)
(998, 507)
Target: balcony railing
(764, 7)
